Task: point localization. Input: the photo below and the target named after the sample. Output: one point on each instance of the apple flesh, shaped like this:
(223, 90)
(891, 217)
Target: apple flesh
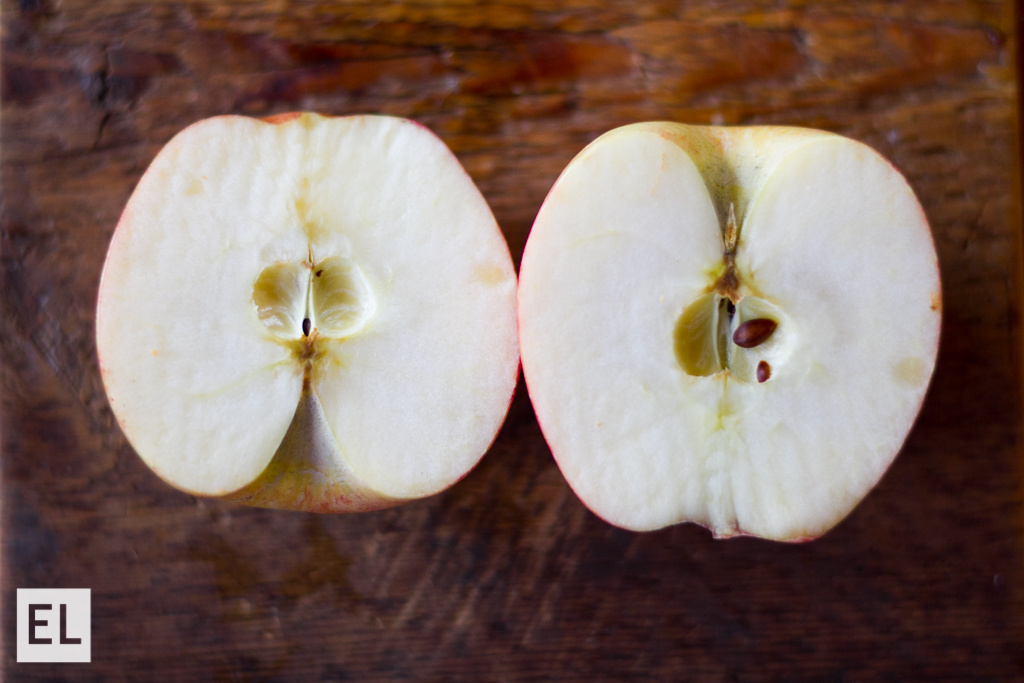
(310, 313)
(655, 268)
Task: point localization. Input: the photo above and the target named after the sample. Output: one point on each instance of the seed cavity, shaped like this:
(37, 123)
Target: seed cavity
(753, 333)
(697, 336)
(279, 295)
(764, 372)
(338, 302)
(715, 334)
(341, 299)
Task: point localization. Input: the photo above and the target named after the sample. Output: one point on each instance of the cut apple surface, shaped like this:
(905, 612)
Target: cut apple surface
(313, 313)
(729, 326)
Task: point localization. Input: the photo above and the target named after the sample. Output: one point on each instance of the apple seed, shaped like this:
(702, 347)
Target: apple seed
(753, 333)
(764, 371)
(305, 327)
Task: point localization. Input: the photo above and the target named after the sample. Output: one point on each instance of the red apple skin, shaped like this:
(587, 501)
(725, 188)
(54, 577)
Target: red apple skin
(278, 119)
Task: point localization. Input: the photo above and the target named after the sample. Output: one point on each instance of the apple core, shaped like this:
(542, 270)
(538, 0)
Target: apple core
(331, 298)
(706, 339)
(332, 295)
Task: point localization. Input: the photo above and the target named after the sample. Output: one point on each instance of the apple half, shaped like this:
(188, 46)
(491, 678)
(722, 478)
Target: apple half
(308, 313)
(729, 326)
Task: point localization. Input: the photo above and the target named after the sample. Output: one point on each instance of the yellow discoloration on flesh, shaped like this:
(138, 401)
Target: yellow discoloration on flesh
(912, 371)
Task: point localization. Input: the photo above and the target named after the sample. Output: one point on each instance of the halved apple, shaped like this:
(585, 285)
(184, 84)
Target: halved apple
(730, 326)
(311, 313)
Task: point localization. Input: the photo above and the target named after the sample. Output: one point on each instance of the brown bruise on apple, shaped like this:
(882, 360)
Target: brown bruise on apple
(704, 339)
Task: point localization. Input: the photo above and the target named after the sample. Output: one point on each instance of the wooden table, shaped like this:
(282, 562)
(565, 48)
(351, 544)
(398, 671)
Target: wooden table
(507, 576)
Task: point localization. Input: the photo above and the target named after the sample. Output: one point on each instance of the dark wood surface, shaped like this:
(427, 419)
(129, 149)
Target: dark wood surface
(506, 576)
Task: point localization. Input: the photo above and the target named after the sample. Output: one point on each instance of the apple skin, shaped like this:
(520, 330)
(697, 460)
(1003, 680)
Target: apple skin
(306, 473)
(723, 160)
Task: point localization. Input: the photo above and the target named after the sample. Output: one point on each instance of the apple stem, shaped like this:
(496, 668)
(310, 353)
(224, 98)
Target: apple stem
(731, 233)
(728, 283)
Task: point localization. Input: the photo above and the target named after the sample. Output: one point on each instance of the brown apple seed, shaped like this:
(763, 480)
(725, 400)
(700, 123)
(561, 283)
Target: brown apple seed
(753, 332)
(764, 371)
(305, 327)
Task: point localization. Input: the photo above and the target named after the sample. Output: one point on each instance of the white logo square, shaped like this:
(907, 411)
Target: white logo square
(54, 625)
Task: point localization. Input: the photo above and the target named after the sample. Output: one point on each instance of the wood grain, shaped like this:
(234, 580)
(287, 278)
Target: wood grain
(506, 576)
